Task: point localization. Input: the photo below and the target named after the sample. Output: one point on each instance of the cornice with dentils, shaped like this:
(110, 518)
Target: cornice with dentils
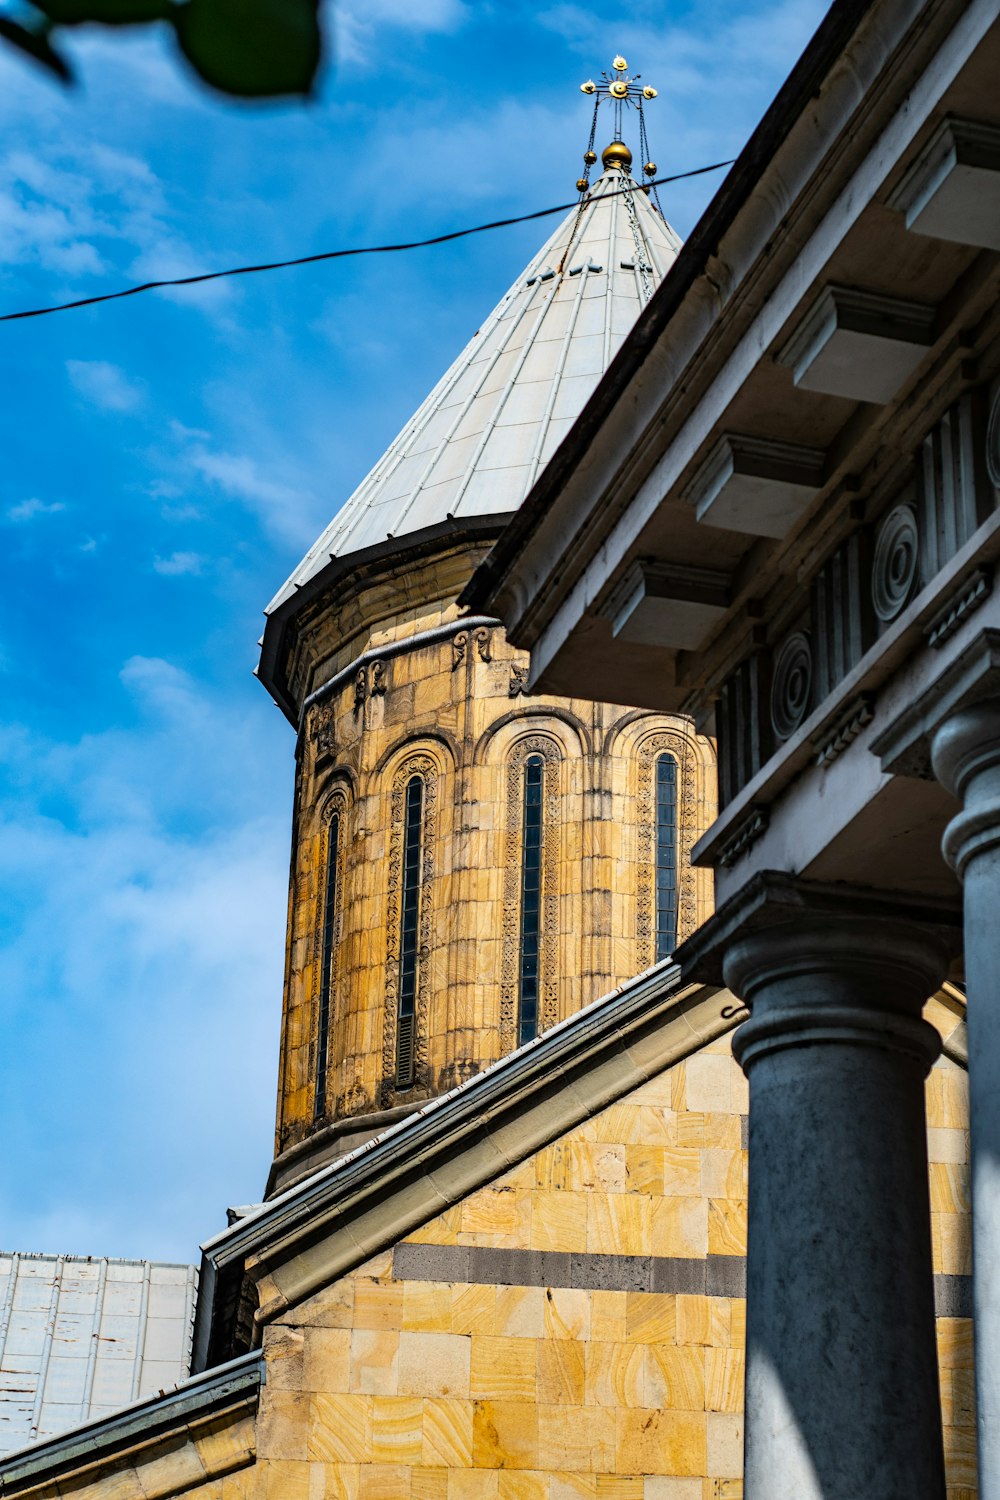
(741, 242)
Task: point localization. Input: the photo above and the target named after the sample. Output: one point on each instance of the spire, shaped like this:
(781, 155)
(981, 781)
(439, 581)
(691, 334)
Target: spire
(619, 89)
(471, 453)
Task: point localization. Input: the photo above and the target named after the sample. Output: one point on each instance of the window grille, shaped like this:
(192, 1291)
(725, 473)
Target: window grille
(531, 900)
(328, 956)
(666, 856)
(409, 929)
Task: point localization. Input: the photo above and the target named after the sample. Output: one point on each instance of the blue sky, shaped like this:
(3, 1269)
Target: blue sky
(167, 460)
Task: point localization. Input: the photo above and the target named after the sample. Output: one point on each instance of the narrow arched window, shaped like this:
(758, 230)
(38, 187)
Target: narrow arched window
(409, 928)
(531, 900)
(331, 895)
(666, 856)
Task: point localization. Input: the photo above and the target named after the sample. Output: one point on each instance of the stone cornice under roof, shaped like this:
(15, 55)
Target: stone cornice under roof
(338, 1218)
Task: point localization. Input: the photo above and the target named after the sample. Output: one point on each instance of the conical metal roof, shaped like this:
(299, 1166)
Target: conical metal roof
(475, 447)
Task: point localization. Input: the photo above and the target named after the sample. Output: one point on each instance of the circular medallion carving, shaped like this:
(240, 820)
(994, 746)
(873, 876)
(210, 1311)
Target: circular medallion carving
(894, 568)
(791, 684)
(993, 442)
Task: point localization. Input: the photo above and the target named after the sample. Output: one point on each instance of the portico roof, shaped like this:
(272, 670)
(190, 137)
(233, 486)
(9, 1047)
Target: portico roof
(809, 201)
(778, 512)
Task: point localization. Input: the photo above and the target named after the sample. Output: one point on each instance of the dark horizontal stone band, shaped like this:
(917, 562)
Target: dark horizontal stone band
(713, 1276)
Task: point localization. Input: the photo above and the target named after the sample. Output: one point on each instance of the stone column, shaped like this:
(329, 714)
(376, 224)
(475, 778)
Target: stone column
(966, 758)
(842, 1383)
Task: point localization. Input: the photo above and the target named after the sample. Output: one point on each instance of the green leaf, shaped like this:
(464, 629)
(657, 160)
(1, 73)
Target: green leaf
(37, 46)
(254, 48)
(107, 12)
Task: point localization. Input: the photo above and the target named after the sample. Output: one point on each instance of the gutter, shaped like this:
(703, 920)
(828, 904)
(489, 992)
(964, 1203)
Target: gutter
(455, 1143)
(202, 1396)
(280, 618)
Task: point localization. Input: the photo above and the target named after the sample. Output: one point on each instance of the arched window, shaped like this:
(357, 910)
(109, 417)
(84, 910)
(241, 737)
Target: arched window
(328, 957)
(409, 930)
(666, 856)
(531, 900)
(529, 953)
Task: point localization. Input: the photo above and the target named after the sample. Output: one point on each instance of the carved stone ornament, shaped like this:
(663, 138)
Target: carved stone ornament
(459, 646)
(791, 684)
(848, 726)
(894, 567)
(353, 1101)
(744, 836)
(360, 687)
(518, 681)
(425, 767)
(993, 441)
(322, 730)
(483, 638)
(378, 679)
(335, 807)
(510, 952)
(668, 742)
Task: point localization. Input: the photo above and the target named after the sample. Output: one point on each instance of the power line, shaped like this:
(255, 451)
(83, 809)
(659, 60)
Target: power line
(308, 260)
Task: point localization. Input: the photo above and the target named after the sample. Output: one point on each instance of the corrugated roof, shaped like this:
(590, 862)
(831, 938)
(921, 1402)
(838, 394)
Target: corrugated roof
(81, 1337)
(476, 445)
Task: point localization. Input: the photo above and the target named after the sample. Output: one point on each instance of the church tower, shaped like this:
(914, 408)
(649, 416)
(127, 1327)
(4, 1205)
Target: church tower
(470, 865)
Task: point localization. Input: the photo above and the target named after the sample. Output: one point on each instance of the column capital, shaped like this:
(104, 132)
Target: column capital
(965, 754)
(813, 921)
(904, 747)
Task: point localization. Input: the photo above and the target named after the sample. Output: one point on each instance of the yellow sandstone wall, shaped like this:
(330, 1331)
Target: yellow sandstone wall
(452, 709)
(391, 1385)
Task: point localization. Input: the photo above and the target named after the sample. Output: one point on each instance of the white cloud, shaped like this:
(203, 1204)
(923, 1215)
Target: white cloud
(359, 28)
(27, 510)
(283, 509)
(104, 385)
(143, 888)
(178, 563)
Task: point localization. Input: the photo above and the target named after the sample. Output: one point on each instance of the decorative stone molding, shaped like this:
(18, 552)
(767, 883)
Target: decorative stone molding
(744, 835)
(894, 566)
(846, 729)
(360, 688)
(484, 643)
(336, 806)
(904, 746)
(518, 681)
(459, 645)
(353, 1100)
(858, 344)
(951, 189)
(667, 742)
(378, 680)
(323, 730)
(456, 1072)
(973, 592)
(548, 994)
(669, 605)
(424, 766)
(791, 684)
(755, 485)
(993, 441)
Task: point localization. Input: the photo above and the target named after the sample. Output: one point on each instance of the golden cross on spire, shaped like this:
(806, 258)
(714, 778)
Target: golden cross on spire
(617, 85)
(620, 88)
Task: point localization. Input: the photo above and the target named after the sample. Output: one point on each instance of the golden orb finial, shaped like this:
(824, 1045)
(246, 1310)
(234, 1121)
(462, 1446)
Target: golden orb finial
(616, 156)
(619, 64)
